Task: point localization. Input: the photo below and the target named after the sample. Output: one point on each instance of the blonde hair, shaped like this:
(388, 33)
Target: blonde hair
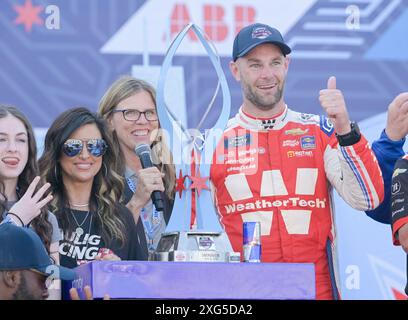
(121, 89)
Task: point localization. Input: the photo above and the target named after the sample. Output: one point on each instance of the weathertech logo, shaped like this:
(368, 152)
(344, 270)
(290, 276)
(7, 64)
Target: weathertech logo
(295, 210)
(264, 204)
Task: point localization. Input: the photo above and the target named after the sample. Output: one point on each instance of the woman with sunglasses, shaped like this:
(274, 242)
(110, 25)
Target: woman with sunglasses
(129, 106)
(79, 161)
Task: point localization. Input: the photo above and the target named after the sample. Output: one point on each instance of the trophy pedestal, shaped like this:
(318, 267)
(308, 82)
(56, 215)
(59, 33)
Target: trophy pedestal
(195, 246)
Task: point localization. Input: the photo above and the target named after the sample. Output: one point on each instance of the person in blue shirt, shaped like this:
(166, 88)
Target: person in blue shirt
(389, 151)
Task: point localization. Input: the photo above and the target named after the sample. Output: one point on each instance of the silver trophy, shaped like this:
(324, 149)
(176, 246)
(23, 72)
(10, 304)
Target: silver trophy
(192, 154)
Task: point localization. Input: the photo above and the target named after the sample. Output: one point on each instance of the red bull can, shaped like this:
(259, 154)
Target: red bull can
(252, 241)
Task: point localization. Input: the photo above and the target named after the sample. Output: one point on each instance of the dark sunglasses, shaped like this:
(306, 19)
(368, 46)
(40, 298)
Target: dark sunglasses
(96, 147)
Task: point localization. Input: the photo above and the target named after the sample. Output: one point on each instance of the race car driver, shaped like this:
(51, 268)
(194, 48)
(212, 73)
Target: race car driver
(278, 166)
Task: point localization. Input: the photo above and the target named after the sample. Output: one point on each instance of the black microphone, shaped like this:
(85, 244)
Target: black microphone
(143, 152)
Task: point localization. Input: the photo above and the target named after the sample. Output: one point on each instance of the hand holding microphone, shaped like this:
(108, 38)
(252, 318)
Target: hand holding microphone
(150, 182)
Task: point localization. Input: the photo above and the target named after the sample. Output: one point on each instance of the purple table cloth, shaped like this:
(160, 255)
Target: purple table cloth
(194, 280)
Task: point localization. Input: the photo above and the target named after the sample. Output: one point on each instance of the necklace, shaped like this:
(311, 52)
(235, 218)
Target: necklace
(79, 205)
(79, 231)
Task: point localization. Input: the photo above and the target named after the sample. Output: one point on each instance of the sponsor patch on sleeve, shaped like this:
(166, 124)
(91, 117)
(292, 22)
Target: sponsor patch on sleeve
(398, 171)
(395, 188)
(326, 125)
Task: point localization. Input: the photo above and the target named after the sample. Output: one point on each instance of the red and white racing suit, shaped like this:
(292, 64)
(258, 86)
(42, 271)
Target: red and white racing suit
(280, 172)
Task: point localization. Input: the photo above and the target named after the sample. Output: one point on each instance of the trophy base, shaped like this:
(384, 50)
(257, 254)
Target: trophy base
(195, 246)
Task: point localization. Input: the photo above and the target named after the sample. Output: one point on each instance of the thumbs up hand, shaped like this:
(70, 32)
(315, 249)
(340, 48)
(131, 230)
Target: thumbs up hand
(397, 120)
(333, 103)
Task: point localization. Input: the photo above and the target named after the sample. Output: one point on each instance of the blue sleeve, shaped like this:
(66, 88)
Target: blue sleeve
(7, 219)
(387, 152)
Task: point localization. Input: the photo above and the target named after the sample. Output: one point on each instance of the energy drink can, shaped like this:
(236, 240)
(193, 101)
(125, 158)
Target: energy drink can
(252, 241)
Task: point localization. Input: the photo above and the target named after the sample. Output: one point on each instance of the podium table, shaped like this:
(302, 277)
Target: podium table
(195, 280)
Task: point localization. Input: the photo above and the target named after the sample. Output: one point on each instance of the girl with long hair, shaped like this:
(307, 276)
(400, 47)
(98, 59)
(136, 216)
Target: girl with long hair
(79, 162)
(21, 201)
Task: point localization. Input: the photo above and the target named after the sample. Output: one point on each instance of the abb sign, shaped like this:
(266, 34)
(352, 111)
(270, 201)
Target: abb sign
(214, 20)
(156, 23)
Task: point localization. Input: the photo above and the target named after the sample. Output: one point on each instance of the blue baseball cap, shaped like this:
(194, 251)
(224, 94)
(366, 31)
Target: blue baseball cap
(21, 248)
(255, 34)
